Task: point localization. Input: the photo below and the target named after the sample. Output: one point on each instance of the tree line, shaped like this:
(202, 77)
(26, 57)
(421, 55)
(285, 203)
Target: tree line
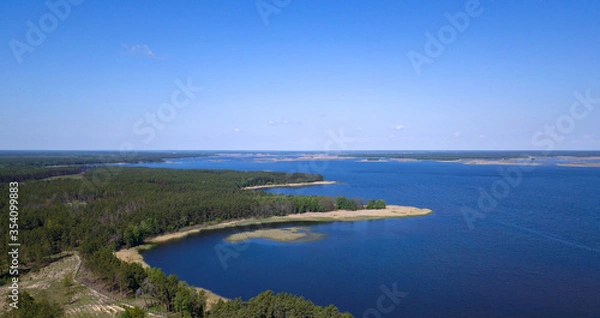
(35, 165)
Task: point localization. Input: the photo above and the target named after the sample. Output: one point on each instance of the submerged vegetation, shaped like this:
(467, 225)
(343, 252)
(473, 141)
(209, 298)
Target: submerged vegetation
(98, 218)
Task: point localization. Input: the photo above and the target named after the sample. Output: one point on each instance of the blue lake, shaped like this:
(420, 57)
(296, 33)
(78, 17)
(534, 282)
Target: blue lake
(533, 248)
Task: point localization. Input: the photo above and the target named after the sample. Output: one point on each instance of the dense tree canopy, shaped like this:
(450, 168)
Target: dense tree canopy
(270, 305)
(113, 207)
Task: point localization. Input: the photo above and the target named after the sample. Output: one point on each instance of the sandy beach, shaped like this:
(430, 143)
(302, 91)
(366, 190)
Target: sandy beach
(391, 211)
(290, 185)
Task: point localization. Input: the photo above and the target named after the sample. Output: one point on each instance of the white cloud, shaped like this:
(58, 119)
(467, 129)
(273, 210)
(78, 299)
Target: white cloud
(139, 49)
(482, 136)
(457, 134)
(284, 122)
(359, 128)
(399, 127)
(236, 130)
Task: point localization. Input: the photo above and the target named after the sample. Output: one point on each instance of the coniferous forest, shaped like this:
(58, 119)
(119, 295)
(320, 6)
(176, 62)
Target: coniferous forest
(107, 208)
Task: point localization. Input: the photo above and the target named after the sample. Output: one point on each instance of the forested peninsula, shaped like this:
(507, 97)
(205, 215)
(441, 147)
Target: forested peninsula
(103, 209)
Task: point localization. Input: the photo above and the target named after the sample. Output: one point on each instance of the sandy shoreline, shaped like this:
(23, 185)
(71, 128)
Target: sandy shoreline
(391, 211)
(290, 185)
(580, 164)
(301, 158)
(132, 255)
(500, 162)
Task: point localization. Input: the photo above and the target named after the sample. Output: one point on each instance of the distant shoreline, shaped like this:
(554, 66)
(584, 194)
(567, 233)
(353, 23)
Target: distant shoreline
(391, 211)
(290, 185)
(580, 164)
(500, 162)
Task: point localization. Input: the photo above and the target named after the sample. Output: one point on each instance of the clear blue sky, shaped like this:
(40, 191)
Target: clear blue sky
(312, 75)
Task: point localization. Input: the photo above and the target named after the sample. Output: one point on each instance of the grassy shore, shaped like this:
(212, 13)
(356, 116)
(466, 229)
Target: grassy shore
(391, 211)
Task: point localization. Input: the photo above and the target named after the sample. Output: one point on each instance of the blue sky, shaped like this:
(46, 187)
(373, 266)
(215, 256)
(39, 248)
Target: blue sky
(300, 75)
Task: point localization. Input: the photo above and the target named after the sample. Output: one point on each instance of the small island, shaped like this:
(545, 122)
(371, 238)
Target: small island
(289, 235)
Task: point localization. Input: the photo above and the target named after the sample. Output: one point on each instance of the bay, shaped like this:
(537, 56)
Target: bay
(535, 253)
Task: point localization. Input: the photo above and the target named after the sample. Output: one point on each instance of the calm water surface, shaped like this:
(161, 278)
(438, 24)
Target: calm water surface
(535, 254)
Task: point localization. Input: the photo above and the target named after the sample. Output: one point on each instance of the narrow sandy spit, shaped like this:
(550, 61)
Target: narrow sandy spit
(391, 211)
(290, 185)
(580, 164)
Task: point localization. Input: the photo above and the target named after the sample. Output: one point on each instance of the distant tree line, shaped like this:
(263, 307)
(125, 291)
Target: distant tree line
(66, 158)
(22, 173)
(36, 165)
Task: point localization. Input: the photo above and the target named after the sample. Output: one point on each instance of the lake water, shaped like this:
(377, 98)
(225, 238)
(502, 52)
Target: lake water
(536, 253)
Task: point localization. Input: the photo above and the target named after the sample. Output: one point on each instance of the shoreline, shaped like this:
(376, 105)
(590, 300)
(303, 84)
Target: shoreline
(580, 164)
(500, 162)
(290, 185)
(391, 211)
